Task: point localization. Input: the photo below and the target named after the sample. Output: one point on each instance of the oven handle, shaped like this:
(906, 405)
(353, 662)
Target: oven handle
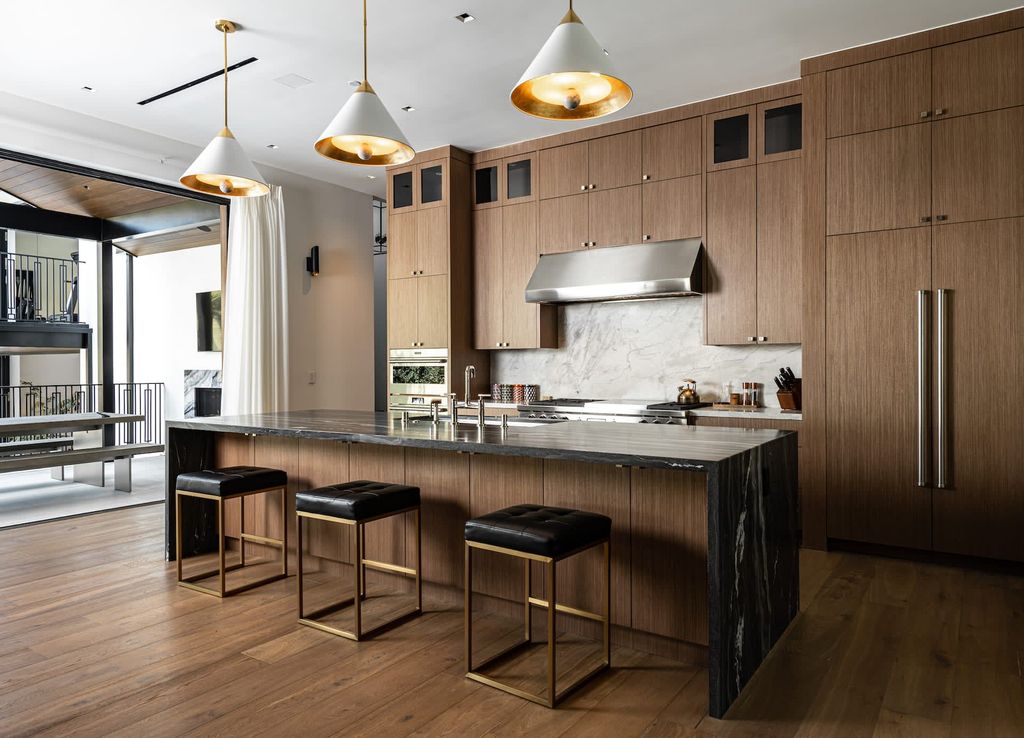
(421, 362)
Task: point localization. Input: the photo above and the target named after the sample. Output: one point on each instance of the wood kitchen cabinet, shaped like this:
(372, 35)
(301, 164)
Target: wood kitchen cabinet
(985, 73)
(731, 242)
(504, 181)
(977, 165)
(505, 247)
(418, 243)
(673, 208)
(879, 180)
(779, 250)
(779, 129)
(418, 186)
(885, 93)
(980, 266)
(672, 150)
(730, 138)
(591, 220)
(418, 312)
(872, 281)
(603, 163)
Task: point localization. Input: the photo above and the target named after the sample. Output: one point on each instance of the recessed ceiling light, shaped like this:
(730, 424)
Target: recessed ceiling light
(606, 52)
(408, 108)
(464, 18)
(371, 176)
(87, 88)
(295, 81)
(271, 146)
(354, 83)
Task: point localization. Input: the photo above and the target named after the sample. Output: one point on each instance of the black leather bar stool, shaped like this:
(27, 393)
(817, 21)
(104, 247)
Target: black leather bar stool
(547, 535)
(229, 483)
(355, 504)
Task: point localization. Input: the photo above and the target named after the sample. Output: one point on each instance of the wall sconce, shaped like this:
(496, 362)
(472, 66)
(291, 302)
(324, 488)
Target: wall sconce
(313, 261)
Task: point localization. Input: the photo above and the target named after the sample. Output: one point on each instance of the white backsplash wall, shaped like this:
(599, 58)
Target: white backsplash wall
(640, 350)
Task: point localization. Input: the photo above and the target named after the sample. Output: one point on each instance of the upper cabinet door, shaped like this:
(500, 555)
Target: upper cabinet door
(730, 138)
(879, 180)
(432, 311)
(978, 166)
(519, 179)
(488, 272)
(563, 170)
(402, 189)
(564, 224)
(981, 74)
(432, 241)
(402, 245)
(895, 91)
(673, 208)
(779, 129)
(486, 185)
(402, 330)
(672, 150)
(616, 217)
(433, 183)
(731, 299)
(615, 161)
(519, 258)
(779, 250)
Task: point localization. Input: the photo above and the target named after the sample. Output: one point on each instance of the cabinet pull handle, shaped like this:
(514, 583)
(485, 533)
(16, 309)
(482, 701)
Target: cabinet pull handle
(941, 352)
(926, 113)
(750, 339)
(647, 237)
(593, 244)
(646, 177)
(583, 188)
(583, 244)
(926, 219)
(762, 339)
(941, 217)
(941, 111)
(922, 388)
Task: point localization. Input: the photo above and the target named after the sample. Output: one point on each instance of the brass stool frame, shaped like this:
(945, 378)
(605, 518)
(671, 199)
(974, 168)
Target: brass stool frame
(360, 564)
(223, 569)
(554, 697)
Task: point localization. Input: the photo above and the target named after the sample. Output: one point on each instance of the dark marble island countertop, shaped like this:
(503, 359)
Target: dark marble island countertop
(664, 446)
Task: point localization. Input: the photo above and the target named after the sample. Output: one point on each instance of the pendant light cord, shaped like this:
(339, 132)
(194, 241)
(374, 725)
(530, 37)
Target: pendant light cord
(364, 41)
(225, 32)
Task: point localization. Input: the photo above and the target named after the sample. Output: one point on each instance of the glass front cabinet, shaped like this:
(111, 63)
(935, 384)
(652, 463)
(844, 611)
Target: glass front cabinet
(418, 186)
(504, 181)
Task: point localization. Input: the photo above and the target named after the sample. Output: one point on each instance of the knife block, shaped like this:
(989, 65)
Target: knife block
(790, 399)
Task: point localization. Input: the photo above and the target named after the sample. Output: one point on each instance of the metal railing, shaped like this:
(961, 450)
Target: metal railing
(136, 398)
(38, 288)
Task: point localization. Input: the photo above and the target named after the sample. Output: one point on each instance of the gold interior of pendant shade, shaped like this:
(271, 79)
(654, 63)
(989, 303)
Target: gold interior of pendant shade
(599, 95)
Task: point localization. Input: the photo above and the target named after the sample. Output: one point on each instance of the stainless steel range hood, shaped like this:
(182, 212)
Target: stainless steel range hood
(644, 271)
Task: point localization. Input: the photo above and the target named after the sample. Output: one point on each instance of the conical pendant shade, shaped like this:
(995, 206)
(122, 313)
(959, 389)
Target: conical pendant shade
(571, 77)
(224, 169)
(363, 132)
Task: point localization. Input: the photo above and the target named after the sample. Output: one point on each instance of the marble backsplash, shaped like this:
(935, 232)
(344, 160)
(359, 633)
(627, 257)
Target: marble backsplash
(640, 350)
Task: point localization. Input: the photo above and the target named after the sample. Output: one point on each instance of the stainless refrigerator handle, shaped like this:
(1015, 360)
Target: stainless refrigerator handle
(941, 408)
(922, 388)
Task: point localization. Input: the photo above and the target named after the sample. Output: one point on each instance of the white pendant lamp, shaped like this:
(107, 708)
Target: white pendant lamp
(223, 168)
(363, 132)
(571, 77)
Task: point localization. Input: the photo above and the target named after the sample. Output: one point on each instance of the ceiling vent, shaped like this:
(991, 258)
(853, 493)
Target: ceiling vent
(197, 81)
(295, 81)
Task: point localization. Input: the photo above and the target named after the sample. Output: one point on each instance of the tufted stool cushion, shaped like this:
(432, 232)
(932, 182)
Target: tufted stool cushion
(357, 500)
(536, 529)
(232, 480)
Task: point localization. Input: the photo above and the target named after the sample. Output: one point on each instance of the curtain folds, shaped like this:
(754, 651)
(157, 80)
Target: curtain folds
(256, 308)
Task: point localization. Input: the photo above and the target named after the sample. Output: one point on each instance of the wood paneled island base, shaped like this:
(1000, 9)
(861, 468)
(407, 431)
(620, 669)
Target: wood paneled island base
(704, 538)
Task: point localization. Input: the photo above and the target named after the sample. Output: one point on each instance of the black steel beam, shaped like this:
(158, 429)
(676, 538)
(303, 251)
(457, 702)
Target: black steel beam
(37, 220)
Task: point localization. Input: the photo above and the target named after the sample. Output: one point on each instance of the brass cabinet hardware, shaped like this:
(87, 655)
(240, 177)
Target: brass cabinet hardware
(941, 111)
(750, 339)
(926, 113)
(645, 177)
(647, 237)
(926, 219)
(583, 188)
(941, 217)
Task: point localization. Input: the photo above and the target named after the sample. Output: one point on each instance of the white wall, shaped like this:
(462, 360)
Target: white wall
(165, 319)
(331, 319)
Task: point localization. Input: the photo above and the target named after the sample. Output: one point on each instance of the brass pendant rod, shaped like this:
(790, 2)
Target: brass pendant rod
(225, 32)
(364, 40)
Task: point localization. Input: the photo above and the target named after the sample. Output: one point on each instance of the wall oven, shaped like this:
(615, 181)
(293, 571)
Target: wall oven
(417, 376)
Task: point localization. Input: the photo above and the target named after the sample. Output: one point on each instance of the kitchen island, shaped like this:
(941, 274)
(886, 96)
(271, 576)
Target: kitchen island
(705, 535)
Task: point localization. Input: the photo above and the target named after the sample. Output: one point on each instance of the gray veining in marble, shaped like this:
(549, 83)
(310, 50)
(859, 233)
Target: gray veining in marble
(640, 349)
(198, 378)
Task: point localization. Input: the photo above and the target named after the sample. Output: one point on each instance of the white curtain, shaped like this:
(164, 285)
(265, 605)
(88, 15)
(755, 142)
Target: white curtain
(256, 308)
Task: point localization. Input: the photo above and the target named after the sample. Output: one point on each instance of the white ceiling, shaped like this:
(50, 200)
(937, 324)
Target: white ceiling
(456, 75)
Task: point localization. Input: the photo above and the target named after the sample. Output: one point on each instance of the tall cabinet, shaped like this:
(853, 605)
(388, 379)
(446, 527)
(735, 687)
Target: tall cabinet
(430, 272)
(923, 287)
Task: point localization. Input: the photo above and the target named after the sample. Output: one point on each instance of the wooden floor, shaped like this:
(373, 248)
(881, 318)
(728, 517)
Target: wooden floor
(95, 640)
